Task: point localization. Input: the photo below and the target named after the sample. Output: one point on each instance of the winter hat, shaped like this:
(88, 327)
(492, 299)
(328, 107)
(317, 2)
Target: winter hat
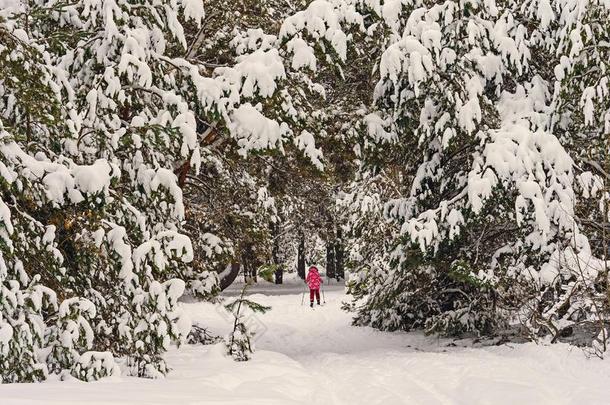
(313, 268)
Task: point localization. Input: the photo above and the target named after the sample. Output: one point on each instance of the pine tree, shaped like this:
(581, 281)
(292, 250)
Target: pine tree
(488, 190)
(92, 210)
(28, 104)
(239, 342)
(573, 34)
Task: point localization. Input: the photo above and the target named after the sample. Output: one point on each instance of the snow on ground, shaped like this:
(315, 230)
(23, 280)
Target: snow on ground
(314, 356)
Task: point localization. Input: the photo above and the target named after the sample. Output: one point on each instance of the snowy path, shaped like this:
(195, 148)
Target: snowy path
(315, 357)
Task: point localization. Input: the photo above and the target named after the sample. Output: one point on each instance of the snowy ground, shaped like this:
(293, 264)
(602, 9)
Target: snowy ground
(310, 356)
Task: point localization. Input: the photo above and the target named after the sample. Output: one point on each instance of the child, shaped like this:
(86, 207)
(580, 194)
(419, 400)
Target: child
(313, 280)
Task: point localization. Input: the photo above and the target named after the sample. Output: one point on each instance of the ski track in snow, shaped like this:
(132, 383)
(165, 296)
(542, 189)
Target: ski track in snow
(307, 356)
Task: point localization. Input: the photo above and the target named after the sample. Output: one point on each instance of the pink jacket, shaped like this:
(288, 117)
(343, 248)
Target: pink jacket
(313, 279)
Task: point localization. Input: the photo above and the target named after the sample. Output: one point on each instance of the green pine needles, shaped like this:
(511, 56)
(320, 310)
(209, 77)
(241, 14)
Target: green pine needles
(239, 342)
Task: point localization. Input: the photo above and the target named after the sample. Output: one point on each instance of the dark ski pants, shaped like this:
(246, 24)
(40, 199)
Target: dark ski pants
(317, 294)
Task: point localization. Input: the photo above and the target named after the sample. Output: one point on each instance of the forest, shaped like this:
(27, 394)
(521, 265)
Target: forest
(448, 160)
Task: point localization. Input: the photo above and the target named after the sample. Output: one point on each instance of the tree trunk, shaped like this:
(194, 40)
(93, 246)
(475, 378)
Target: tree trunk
(248, 264)
(275, 253)
(245, 267)
(279, 275)
(301, 257)
(330, 260)
(339, 270)
(229, 275)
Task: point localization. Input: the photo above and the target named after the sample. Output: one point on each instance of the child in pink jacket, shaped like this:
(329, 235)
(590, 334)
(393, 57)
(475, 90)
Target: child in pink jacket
(313, 280)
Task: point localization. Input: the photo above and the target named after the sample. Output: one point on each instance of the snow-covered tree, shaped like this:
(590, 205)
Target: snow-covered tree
(571, 36)
(488, 189)
(239, 342)
(26, 96)
(93, 119)
(240, 195)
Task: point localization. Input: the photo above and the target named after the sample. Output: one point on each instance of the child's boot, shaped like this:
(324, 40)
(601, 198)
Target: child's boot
(311, 304)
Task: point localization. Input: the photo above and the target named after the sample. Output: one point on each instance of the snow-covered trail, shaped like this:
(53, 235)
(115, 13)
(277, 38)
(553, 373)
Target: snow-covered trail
(314, 356)
(351, 365)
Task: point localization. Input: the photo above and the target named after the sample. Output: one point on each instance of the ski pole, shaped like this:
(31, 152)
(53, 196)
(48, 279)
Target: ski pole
(323, 296)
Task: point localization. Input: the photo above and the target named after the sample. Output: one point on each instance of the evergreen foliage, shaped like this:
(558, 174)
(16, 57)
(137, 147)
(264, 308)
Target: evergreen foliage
(474, 113)
(239, 342)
